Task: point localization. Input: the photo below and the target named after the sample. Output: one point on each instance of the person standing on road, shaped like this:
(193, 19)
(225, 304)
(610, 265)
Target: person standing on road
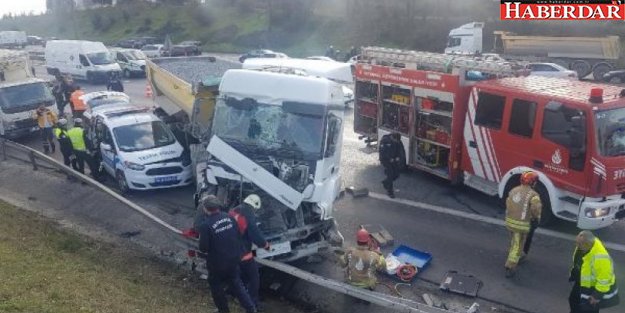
(77, 136)
(391, 156)
(64, 141)
(78, 106)
(220, 241)
(46, 120)
(592, 275)
(67, 87)
(522, 206)
(59, 98)
(245, 216)
(362, 264)
(115, 83)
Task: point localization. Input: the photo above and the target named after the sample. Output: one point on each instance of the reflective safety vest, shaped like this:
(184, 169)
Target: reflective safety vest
(597, 273)
(76, 136)
(522, 205)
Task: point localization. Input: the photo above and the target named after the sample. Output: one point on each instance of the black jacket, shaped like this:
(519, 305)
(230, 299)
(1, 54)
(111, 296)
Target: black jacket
(115, 85)
(220, 241)
(248, 226)
(390, 150)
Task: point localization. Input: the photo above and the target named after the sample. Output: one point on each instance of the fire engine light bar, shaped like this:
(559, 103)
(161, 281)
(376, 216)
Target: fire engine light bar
(597, 212)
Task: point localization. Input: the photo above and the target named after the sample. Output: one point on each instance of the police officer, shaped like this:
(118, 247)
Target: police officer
(64, 141)
(245, 216)
(592, 275)
(221, 244)
(391, 156)
(362, 263)
(523, 206)
(77, 137)
(115, 83)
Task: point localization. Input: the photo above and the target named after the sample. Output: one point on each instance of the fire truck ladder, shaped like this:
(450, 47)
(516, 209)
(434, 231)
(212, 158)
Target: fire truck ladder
(438, 62)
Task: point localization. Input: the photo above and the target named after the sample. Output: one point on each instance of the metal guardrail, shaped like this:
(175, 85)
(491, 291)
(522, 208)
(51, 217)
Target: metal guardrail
(39, 160)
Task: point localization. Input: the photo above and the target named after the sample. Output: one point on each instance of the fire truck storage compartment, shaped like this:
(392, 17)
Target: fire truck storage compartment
(396, 108)
(366, 107)
(432, 134)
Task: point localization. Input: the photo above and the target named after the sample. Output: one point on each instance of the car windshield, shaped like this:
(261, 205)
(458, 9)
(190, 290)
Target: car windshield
(611, 132)
(14, 98)
(270, 129)
(143, 136)
(100, 58)
(135, 55)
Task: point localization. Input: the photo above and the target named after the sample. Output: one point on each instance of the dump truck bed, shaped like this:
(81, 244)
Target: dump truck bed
(176, 81)
(604, 48)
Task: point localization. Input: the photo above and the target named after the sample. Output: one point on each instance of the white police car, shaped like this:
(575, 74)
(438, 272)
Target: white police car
(138, 149)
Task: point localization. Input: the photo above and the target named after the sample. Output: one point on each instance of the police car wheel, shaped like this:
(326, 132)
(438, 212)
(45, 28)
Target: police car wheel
(122, 184)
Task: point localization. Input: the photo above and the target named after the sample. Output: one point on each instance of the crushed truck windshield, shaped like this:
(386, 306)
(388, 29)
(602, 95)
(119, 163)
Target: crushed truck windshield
(611, 132)
(143, 136)
(100, 58)
(23, 96)
(270, 128)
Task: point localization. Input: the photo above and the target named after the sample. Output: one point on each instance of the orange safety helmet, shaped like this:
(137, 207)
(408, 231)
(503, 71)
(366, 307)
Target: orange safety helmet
(362, 236)
(529, 178)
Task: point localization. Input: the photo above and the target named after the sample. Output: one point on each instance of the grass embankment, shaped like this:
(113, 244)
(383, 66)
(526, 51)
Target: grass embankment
(44, 268)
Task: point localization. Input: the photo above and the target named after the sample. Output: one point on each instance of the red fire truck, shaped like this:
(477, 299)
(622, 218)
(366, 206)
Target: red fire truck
(481, 124)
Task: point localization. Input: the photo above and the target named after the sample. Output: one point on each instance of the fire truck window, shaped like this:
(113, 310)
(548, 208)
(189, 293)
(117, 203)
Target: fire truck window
(566, 127)
(489, 112)
(522, 118)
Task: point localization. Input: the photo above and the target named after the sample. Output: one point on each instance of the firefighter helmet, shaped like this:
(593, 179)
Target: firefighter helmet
(362, 236)
(529, 178)
(253, 200)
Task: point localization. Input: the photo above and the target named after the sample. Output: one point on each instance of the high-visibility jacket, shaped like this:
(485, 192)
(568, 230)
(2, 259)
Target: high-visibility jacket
(362, 265)
(77, 137)
(522, 205)
(78, 104)
(46, 115)
(64, 141)
(597, 277)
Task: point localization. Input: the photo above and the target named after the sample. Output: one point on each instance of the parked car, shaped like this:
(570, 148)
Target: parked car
(615, 77)
(551, 70)
(321, 58)
(127, 43)
(153, 51)
(148, 40)
(131, 61)
(261, 53)
(178, 51)
(34, 40)
(191, 43)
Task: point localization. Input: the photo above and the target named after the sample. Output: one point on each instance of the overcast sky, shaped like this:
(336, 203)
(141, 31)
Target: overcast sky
(19, 6)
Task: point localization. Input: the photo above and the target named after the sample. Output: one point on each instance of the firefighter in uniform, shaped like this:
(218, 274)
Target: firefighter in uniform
(523, 205)
(221, 244)
(362, 263)
(391, 156)
(592, 275)
(246, 220)
(64, 141)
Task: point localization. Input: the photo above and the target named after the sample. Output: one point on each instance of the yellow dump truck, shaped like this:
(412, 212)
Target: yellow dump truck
(585, 55)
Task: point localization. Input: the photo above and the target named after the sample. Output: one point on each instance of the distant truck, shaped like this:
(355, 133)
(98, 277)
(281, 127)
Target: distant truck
(20, 95)
(86, 60)
(584, 55)
(273, 132)
(13, 39)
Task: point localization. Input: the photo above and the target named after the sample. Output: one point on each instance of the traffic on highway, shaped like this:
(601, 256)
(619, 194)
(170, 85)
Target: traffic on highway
(465, 180)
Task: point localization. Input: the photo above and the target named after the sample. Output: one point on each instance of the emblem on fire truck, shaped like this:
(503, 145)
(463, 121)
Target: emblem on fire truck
(556, 158)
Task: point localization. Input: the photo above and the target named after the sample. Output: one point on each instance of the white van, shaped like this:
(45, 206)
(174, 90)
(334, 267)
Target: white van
(13, 39)
(131, 61)
(139, 149)
(87, 60)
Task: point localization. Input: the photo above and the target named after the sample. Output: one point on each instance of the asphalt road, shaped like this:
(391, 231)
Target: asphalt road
(464, 245)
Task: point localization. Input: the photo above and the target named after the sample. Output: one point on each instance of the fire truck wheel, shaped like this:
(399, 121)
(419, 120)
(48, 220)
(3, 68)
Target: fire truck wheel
(547, 214)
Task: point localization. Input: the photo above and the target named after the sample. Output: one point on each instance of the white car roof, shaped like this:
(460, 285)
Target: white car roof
(130, 119)
(337, 71)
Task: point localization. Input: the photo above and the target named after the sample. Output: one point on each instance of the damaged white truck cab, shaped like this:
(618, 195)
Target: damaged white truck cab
(279, 134)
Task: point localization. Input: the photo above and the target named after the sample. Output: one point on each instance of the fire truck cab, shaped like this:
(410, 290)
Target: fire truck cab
(463, 120)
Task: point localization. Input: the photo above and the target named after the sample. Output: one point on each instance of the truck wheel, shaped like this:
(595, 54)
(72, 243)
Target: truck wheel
(600, 70)
(512, 182)
(582, 68)
(547, 217)
(122, 184)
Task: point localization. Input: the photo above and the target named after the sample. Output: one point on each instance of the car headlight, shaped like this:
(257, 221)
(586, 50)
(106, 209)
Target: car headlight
(597, 212)
(134, 166)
